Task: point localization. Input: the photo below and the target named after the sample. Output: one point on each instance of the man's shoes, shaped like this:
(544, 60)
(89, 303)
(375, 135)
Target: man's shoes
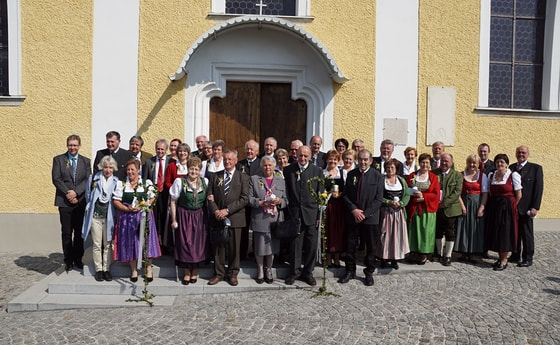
(290, 280)
(233, 281)
(346, 278)
(107, 276)
(525, 263)
(68, 267)
(79, 265)
(99, 276)
(446, 261)
(369, 280)
(384, 264)
(214, 280)
(308, 279)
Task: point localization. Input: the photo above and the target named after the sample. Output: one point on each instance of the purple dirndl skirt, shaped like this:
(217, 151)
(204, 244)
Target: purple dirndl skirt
(191, 237)
(127, 240)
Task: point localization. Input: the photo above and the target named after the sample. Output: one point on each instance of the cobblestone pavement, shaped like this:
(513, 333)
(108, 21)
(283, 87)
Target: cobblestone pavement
(471, 305)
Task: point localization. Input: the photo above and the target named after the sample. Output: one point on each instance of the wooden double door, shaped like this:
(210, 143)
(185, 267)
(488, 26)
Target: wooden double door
(257, 111)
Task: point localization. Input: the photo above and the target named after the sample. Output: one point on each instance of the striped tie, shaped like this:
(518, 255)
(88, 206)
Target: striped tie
(227, 181)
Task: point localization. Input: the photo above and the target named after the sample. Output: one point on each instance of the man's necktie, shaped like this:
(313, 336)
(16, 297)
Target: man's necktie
(160, 175)
(519, 166)
(227, 182)
(73, 164)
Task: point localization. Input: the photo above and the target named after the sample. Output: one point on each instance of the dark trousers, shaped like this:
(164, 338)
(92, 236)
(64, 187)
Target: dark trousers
(244, 246)
(160, 216)
(71, 220)
(304, 247)
(445, 226)
(525, 238)
(369, 233)
(227, 253)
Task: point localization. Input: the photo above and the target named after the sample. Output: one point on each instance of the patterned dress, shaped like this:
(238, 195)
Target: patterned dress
(393, 244)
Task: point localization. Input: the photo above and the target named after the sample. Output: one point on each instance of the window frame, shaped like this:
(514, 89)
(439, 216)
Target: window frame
(15, 97)
(303, 9)
(550, 99)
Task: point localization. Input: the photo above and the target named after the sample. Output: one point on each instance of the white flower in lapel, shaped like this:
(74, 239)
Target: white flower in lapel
(298, 174)
(220, 181)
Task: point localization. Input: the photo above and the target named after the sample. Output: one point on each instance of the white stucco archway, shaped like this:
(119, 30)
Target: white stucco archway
(259, 49)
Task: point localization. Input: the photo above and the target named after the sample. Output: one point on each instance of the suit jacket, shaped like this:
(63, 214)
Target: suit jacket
(533, 184)
(378, 165)
(321, 160)
(260, 221)
(63, 180)
(371, 195)
(254, 169)
(149, 171)
(121, 156)
(300, 201)
(144, 156)
(452, 186)
(488, 167)
(235, 201)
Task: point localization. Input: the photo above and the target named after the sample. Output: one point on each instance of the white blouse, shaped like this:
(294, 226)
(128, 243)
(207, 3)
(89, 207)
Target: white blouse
(120, 189)
(175, 190)
(516, 179)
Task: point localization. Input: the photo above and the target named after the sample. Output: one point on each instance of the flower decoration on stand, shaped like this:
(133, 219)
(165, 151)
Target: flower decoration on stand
(144, 232)
(322, 200)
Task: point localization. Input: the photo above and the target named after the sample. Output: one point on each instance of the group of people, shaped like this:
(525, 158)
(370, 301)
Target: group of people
(419, 209)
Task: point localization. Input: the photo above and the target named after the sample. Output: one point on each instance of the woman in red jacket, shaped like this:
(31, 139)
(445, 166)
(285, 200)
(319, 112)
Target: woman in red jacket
(422, 208)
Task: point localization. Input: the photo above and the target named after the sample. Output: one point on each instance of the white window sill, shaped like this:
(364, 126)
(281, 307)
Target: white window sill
(519, 113)
(13, 101)
(295, 19)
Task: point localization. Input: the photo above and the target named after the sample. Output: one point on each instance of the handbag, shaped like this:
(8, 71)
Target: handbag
(219, 234)
(287, 228)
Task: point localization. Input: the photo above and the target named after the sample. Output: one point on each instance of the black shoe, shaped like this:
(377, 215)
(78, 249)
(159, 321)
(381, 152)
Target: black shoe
(500, 266)
(68, 267)
(290, 280)
(436, 258)
(496, 264)
(422, 259)
(185, 282)
(514, 257)
(193, 280)
(395, 264)
(308, 278)
(259, 280)
(384, 264)
(369, 280)
(99, 276)
(150, 279)
(79, 265)
(446, 261)
(134, 279)
(268, 280)
(107, 276)
(346, 278)
(525, 263)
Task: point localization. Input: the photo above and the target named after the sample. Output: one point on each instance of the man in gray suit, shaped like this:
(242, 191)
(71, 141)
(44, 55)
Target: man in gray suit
(228, 192)
(70, 173)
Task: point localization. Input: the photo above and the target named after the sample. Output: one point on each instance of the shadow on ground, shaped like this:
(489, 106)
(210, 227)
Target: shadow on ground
(40, 264)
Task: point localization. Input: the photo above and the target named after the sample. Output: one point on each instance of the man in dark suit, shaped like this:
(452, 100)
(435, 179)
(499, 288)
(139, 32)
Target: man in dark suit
(113, 140)
(363, 195)
(317, 157)
(199, 141)
(154, 170)
(228, 192)
(294, 147)
(135, 147)
(305, 209)
(451, 183)
(486, 165)
(251, 165)
(529, 205)
(385, 153)
(70, 173)
(270, 146)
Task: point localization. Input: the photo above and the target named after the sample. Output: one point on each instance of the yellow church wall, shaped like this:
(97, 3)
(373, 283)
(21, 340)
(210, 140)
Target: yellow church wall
(56, 52)
(347, 29)
(449, 53)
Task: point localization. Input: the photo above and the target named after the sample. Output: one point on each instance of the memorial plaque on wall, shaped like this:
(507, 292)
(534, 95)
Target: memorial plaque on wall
(396, 130)
(441, 115)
